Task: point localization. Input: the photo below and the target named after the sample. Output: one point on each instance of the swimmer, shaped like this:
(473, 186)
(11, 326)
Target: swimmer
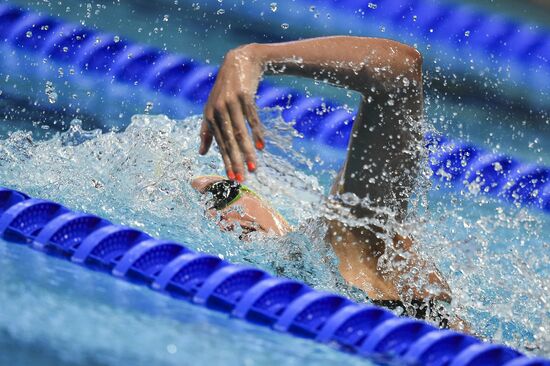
(381, 165)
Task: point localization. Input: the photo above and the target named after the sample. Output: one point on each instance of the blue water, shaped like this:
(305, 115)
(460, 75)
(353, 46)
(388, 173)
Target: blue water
(494, 255)
(57, 313)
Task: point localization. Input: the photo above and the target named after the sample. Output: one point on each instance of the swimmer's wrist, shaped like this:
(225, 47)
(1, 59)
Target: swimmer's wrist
(250, 54)
(260, 55)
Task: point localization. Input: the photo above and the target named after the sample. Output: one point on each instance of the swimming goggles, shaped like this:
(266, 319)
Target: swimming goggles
(225, 192)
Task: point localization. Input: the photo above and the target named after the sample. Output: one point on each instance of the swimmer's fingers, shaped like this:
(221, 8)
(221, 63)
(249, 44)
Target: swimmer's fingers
(206, 138)
(223, 121)
(211, 121)
(240, 132)
(251, 113)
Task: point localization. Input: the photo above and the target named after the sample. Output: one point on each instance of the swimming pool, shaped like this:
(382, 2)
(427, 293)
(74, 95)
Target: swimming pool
(474, 231)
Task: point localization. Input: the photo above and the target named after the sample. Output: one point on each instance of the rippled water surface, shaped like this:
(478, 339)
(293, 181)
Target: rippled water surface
(495, 256)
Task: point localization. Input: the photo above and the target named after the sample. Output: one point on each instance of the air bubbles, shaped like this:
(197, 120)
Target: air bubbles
(116, 39)
(165, 18)
(467, 33)
(372, 6)
(285, 26)
(220, 12)
(148, 107)
(28, 34)
(273, 7)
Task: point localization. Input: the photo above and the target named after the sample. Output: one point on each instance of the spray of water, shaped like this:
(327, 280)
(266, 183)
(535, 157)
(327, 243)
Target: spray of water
(494, 257)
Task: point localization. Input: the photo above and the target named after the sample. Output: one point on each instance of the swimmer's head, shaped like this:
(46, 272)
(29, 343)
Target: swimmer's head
(237, 204)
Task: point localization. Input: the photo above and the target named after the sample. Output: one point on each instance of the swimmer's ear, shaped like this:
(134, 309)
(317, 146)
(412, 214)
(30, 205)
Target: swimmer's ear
(206, 138)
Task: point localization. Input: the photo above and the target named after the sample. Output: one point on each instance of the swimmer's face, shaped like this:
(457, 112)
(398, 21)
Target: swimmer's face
(250, 212)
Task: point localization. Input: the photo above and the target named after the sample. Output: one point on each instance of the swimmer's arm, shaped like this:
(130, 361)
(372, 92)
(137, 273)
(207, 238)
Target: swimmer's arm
(368, 65)
(357, 63)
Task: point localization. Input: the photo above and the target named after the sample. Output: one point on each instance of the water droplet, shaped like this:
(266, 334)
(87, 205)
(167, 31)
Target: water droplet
(467, 33)
(372, 6)
(50, 92)
(65, 49)
(312, 8)
(196, 6)
(171, 348)
(273, 7)
(220, 12)
(284, 25)
(382, 28)
(148, 107)
(165, 18)
(116, 39)
(28, 34)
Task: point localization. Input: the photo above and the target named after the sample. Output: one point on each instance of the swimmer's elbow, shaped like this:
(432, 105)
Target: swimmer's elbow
(407, 62)
(393, 62)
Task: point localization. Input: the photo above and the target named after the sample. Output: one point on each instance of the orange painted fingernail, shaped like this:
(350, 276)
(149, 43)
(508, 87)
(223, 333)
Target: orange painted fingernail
(259, 145)
(231, 175)
(240, 178)
(251, 166)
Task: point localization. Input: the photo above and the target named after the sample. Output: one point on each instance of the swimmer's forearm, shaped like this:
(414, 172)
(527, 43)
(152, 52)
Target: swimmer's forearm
(357, 63)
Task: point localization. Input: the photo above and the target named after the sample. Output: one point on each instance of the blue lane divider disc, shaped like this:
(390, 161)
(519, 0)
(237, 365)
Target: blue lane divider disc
(438, 348)
(525, 185)
(9, 16)
(106, 246)
(26, 218)
(225, 287)
(265, 301)
(68, 43)
(145, 260)
(270, 96)
(336, 128)
(100, 55)
(526, 361)
(134, 63)
(490, 171)
(9, 197)
(308, 313)
(168, 74)
(394, 336)
(66, 232)
(350, 325)
(198, 83)
(184, 275)
(33, 32)
(485, 354)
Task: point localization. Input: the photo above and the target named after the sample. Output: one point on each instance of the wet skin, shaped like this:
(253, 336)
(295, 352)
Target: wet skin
(255, 214)
(382, 157)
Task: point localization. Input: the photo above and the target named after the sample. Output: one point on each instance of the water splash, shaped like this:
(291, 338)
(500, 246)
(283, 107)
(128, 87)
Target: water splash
(495, 258)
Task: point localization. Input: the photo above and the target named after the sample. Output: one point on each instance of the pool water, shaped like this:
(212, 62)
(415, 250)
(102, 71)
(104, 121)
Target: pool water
(56, 313)
(495, 256)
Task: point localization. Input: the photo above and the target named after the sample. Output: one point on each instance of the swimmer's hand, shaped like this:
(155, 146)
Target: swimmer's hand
(374, 67)
(230, 102)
